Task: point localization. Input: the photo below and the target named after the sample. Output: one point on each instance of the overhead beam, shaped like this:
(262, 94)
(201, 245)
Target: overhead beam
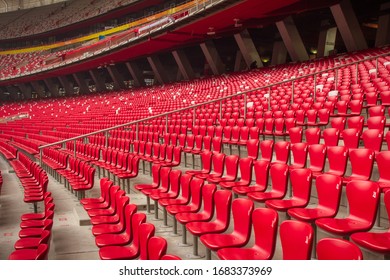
(239, 63)
(348, 26)
(184, 64)
(279, 53)
(116, 77)
(212, 57)
(248, 49)
(136, 73)
(26, 90)
(159, 72)
(292, 39)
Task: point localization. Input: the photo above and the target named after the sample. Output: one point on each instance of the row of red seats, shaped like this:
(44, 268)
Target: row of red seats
(120, 232)
(9, 152)
(35, 233)
(32, 177)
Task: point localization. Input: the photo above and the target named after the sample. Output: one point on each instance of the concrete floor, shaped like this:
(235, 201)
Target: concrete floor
(71, 240)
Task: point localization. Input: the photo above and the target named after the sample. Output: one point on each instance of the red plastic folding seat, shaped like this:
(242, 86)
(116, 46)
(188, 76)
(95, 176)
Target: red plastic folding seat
(231, 167)
(109, 207)
(218, 163)
(131, 172)
(249, 122)
(269, 127)
(265, 224)
(279, 178)
(351, 138)
(242, 212)
(385, 97)
(378, 242)
(363, 199)
(244, 136)
(182, 138)
(296, 238)
(49, 206)
(266, 148)
(331, 136)
(156, 247)
(30, 224)
(376, 111)
(169, 257)
(261, 170)
(190, 142)
(246, 166)
(155, 179)
(299, 153)
(311, 115)
(337, 160)
(328, 193)
(313, 135)
(254, 132)
(356, 122)
(252, 147)
(33, 242)
(41, 253)
(217, 145)
(339, 123)
(378, 122)
(199, 216)
(101, 228)
(235, 137)
(219, 131)
(123, 238)
(282, 152)
(372, 139)
(193, 205)
(260, 125)
(362, 161)
(140, 229)
(317, 155)
(222, 202)
(206, 164)
(387, 138)
(295, 134)
(383, 162)
(301, 180)
(338, 249)
(227, 134)
(300, 116)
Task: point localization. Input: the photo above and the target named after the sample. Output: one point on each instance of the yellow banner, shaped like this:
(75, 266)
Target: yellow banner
(109, 31)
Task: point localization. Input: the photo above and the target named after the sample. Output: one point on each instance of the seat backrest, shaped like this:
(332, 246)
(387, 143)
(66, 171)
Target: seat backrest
(362, 161)
(42, 252)
(265, 228)
(261, 169)
(317, 155)
(313, 135)
(301, 179)
(383, 163)
(242, 215)
(337, 159)
(338, 122)
(130, 210)
(377, 122)
(351, 138)
(196, 187)
(282, 151)
(231, 163)
(164, 178)
(295, 134)
(223, 202)
(372, 139)
(252, 146)
(136, 221)
(329, 189)
(218, 163)
(279, 177)
(246, 167)
(296, 238)
(170, 257)
(157, 247)
(266, 148)
(356, 122)
(363, 198)
(145, 232)
(299, 153)
(338, 249)
(331, 136)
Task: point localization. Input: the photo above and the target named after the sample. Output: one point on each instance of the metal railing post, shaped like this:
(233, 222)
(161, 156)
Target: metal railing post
(193, 117)
(166, 124)
(137, 131)
(292, 92)
(220, 110)
(336, 74)
(74, 149)
(245, 106)
(315, 87)
(357, 72)
(106, 139)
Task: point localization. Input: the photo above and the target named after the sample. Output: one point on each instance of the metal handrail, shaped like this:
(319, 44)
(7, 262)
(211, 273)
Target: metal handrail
(216, 100)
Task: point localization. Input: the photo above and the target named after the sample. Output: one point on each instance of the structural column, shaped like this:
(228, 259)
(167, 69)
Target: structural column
(80, 80)
(326, 40)
(116, 77)
(292, 39)
(38, 88)
(248, 49)
(184, 64)
(52, 86)
(25, 90)
(279, 53)
(239, 63)
(67, 85)
(99, 83)
(159, 72)
(348, 26)
(212, 57)
(383, 32)
(136, 73)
